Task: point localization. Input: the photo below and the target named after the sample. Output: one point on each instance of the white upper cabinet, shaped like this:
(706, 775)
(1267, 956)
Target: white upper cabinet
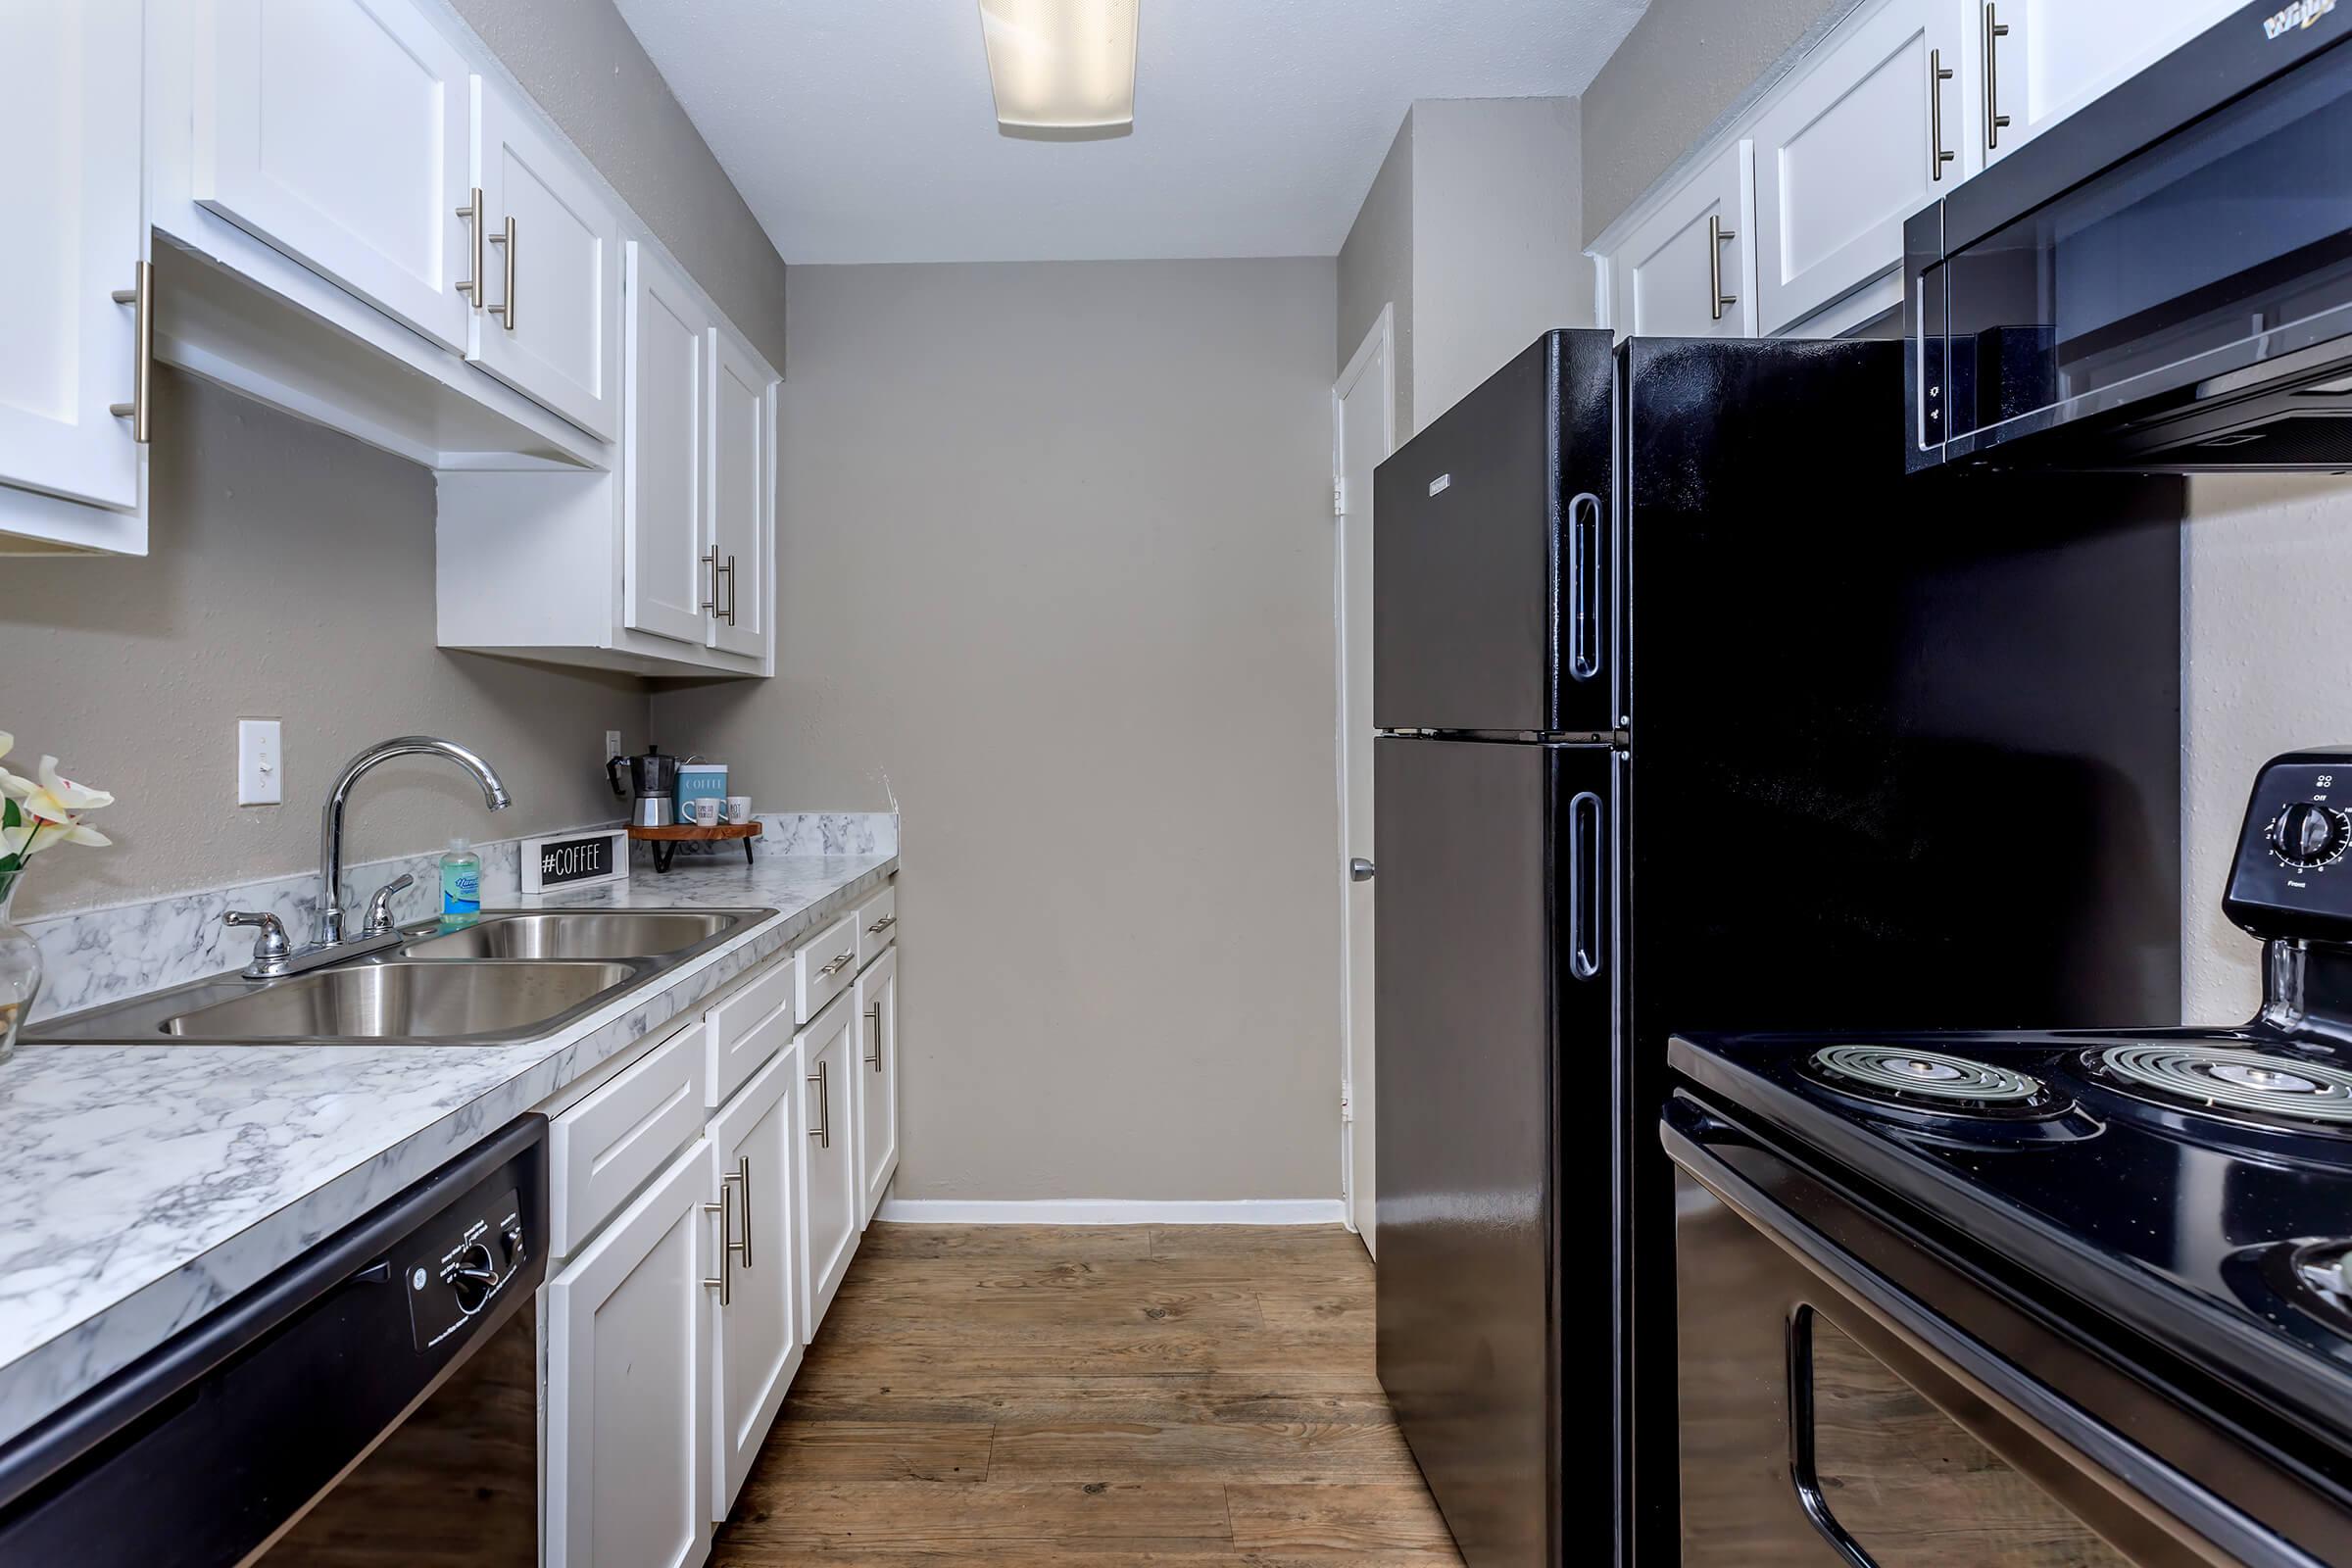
(742, 498)
(666, 584)
(2044, 59)
(1866, 134)
(1687, 270)
(338, 132)
(549, 324)
(69, 118)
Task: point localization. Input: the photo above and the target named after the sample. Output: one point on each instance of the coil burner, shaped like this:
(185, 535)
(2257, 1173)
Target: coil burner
(2223, 1079)
(1930, 1080)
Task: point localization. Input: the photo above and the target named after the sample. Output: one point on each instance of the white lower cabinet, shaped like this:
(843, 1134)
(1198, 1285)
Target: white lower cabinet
(628, 1334)
(759, 1341)
(877, 1075)
(832, 1208)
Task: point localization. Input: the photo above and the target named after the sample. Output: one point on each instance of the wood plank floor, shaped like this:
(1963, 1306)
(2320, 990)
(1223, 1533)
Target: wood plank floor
(1113, 1396)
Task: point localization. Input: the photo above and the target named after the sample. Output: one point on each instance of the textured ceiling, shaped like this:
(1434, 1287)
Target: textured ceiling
(863, 131)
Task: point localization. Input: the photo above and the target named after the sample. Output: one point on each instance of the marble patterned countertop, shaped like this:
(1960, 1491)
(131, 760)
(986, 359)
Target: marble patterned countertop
(146, 1184)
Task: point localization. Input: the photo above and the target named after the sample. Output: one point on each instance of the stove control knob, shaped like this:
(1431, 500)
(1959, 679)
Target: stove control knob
(2307, 835)
(475, 1278)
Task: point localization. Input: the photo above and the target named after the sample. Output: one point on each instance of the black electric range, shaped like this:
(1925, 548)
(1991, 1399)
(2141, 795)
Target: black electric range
(2027, 1297)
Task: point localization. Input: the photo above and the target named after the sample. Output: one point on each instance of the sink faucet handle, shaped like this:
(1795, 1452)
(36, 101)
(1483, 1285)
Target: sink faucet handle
(380, 908)
(272, 946)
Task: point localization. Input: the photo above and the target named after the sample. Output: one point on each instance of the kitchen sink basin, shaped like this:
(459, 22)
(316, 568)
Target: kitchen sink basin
(580, 934)
(517, 975)
(395, 1000)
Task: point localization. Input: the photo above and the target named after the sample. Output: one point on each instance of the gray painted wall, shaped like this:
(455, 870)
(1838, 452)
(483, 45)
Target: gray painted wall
(291, 574)
(1060, 548)
(1376, 269)
(1497, 238)
(587, 69)
(1685, 64)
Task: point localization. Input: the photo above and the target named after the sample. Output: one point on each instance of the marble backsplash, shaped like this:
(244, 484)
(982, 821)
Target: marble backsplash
(93, 956)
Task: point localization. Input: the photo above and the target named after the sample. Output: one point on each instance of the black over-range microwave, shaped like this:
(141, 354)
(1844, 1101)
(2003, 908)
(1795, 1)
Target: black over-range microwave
(2163, 281)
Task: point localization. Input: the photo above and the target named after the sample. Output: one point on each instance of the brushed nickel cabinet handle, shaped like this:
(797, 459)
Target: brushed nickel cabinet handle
(709, 558)
(505, 310)
(881, 925)
(471, 285)
(841, 960)
(1716, 235)
(873, 1016)
(141, 298)
(743, 1174)
(725, 1211)
(823, 1132)
(1938, 74)
(1994, 119)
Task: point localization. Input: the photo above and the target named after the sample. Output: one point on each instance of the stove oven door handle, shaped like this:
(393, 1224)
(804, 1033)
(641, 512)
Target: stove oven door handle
(2122, 1492)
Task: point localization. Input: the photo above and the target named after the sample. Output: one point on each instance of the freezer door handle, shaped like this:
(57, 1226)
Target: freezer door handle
(1587, 876)
(1583, 586)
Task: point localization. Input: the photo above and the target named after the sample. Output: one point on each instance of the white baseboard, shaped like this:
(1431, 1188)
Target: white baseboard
(1114, 1212)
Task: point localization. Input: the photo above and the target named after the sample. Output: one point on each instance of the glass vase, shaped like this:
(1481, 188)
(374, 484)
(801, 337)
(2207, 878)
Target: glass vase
(20, 970)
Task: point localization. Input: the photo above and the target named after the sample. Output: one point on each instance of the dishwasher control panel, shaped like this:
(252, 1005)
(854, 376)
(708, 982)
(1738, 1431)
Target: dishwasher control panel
(462, 1263)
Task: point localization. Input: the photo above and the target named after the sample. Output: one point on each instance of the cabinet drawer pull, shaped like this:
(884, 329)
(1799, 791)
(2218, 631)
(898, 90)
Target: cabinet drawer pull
(472, 285)
(881, 925)
(823, 1132)
(504, 311)
(1994, 119)
(140, 297)
(873, 1016)
(1716, 235)
(725, 1211)
(1938, 154)
(840, 961)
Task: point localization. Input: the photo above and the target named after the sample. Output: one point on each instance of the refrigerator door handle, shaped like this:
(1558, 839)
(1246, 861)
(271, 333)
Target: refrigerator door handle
(1583, 586)
(1586, 844)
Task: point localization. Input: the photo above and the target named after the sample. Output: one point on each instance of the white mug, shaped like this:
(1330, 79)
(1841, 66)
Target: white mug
(739, 807)
(706, 811)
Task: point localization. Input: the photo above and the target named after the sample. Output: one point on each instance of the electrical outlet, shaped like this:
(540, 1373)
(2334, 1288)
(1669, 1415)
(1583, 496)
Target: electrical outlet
(261, 763)
(611, 747)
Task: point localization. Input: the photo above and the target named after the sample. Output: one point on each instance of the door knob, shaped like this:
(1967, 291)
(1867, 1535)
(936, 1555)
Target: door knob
(1359, 869)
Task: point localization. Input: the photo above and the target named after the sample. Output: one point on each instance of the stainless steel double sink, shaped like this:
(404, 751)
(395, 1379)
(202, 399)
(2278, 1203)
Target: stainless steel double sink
(515, 975)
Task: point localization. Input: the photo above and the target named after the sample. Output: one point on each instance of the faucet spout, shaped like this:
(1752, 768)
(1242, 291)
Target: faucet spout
(330, 821)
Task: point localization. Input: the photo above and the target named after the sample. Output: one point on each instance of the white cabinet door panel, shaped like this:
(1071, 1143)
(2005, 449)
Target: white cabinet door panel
(1865, 136)
(69, 118)
(829, 1184)
(665, 507)
(877, 1004)
(551, 324)
(629, 1374)
(1687, 269)
(742, 497)
(338, 132)
(2058, 54)
(759, 1343)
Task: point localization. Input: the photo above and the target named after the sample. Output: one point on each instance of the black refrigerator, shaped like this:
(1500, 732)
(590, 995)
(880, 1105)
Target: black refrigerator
(1695, 711)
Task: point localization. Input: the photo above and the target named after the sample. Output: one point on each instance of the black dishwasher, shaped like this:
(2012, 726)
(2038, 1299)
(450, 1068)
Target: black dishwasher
(207, 1448)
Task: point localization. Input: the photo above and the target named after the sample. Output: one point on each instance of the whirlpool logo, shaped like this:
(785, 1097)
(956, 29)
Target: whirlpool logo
(2302, 13)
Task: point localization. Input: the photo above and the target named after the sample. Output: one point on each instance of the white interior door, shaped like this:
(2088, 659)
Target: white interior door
(759, 1343)
(877, 1075)
(551, 324)
(70, 121)
(741, 511)
(1365, 430)
(628, 1367)
(829, 1185)
(338, 132)
(665, 581)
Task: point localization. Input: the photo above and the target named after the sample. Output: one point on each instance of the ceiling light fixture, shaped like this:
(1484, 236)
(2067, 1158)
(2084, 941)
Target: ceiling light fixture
(1062, 69)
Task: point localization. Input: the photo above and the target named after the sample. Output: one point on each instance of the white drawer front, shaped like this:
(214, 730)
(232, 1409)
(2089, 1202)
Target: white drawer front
(877, 924)
(748, 1027)
(611, 1142)
(824, 966)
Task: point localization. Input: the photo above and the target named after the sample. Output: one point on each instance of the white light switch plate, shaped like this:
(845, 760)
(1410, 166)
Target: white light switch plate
(611, 747)
(261, 764)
